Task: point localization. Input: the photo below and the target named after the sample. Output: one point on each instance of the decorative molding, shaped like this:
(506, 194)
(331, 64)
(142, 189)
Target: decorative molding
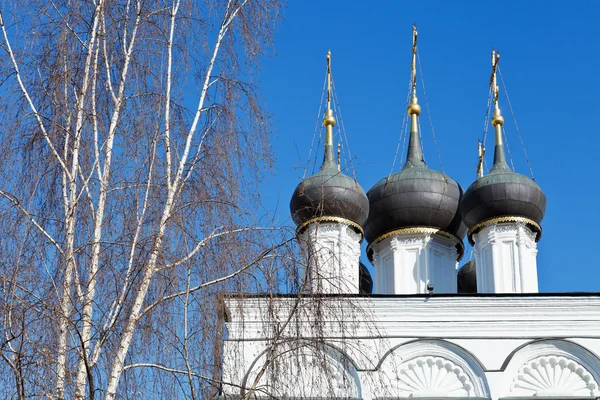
(417, 230)
(301, 369)
(339, 220)
(579, 364)
(509, 218)
(427, 231)
(429, 376)
(396, 243)
(475, 317)
(333, 252)
(408, 262)
(553, 376)
(433, 368)
(326, 229)
(505, 257)
(528, 233)
(506, 228)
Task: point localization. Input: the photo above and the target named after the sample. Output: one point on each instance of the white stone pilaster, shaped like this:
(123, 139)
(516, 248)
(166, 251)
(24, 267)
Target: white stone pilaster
(406, 262)
(333, 257)
(505, 257)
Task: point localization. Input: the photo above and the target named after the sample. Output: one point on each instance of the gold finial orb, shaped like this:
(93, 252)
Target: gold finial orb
(329, 119)
(497, 119)
(414, 108)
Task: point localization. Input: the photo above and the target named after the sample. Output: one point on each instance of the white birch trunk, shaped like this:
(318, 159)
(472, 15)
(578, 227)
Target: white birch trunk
(127, 335)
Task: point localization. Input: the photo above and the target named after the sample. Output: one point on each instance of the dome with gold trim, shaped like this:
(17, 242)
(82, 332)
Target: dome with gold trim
(329, 193)
(502, 195)
(417, 196)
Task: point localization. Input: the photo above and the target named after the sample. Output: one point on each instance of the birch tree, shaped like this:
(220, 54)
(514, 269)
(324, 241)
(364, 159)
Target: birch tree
(133, 143)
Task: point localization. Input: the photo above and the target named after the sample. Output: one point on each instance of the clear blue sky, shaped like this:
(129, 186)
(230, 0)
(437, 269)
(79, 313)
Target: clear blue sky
(551, 66)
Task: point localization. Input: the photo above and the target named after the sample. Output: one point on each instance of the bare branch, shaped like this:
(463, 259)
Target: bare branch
(31, 218)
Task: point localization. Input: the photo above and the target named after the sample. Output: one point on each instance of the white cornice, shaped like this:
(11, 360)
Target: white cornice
(426, 317)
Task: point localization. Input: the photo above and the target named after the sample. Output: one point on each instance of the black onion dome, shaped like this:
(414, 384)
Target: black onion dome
(467, 278)
(502, 193)
(417, 196)
(457, 227)
(365, 281)
(329, 193)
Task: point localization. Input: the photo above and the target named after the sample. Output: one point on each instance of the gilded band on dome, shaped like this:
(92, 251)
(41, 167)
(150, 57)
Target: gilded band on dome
(326, 219)
(416, 195)
(502, 195)
(421, 230)
(507, 218)
(329, 193)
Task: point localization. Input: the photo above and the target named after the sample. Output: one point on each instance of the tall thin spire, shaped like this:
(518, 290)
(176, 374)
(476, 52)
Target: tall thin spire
(329, 122)
(414, 158)
(497, 119)
(481, 152)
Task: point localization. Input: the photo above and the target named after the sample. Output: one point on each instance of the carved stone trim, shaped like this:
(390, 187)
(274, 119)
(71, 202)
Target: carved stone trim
(339, 220)
(429, 376)
(421, 230)
(441, 369)
(508, 218)
(553, 376)
(300, 369)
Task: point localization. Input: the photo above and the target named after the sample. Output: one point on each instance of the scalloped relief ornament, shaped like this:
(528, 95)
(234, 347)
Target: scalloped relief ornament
(307, 373)
(553, 376)
(431, 377)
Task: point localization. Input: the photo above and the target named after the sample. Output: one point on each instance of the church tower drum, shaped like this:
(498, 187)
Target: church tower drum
(414, 229)
(330, 209)
(503, 211)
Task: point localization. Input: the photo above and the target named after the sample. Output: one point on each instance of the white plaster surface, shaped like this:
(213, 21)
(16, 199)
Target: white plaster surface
(333, 251)
(415, 346)
(406, 263)
(505, 256)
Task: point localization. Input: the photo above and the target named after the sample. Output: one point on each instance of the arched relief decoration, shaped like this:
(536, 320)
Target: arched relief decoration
(552, 368)
(553, 376)
(431, 368)
(431, 377)
(304, 369)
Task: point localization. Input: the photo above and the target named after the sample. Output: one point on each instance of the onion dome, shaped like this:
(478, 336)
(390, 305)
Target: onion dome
(417, 196)
(502, 195)
(467, 278)
(365, 281)
(329, 195)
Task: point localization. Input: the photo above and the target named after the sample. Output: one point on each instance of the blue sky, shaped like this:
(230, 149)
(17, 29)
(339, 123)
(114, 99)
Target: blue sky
(550, 64)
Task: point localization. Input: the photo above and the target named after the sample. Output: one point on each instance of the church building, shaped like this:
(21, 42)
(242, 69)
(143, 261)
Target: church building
(420, 327)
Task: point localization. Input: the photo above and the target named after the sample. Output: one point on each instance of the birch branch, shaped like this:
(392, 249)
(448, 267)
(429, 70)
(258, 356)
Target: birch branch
(180, 371)
(112, 319)
(25, 93)
(107, 65)
(133, 319)
(16, 202)
(215, 281)
(210, 237)
(71, 215)
(168, 155)
(87, 313)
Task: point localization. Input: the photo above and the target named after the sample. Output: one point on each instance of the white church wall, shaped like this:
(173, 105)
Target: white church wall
(333, 252)
(406, 262)
(492, 344)
(505, 255)
(430, 368)
(304, 369)
(552, 368)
